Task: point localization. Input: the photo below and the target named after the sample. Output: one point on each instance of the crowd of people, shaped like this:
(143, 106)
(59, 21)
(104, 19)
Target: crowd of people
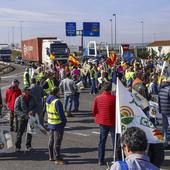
(43, 85)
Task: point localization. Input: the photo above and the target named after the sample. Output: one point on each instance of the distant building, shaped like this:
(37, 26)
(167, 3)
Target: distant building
(161, 47)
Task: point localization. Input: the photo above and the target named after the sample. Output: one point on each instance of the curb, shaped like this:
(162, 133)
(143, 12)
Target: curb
(7, 68)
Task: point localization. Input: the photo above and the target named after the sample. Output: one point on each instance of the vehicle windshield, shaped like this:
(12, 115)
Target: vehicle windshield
(5, 51)
(59, 48)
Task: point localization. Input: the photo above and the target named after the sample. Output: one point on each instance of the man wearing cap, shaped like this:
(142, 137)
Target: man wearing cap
(25, 105)
(11, 94)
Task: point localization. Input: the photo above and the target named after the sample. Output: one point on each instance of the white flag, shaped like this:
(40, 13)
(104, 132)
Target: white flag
(129, 114)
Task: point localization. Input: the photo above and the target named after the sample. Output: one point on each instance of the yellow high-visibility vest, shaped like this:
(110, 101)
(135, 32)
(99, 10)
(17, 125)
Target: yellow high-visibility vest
(26, 83)
(51, 85)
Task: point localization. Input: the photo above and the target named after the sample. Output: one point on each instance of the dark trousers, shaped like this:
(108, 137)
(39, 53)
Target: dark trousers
(104, 131)
(54, 143)
(76, 101)
(13, 121)
(22, 125)
(93, 86)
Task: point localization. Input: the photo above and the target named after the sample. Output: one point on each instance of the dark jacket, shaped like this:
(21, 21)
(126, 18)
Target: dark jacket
(22, 107)
(164, 98)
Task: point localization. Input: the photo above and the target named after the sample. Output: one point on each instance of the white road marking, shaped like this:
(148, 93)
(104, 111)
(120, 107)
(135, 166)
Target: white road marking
(67, 127)
(5, 87)
(76, 133)
(98, 133)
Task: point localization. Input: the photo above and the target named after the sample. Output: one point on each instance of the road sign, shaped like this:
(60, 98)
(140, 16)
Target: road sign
(70, 28)
(91, 29)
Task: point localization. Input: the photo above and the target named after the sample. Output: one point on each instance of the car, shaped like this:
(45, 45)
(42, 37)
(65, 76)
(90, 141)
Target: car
(18, 60)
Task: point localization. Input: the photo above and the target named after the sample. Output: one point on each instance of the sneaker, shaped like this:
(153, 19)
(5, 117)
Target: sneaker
(51, 159)
(29, 149)
(70, 115)
(60, 162)
(17, 149)
(101, 163)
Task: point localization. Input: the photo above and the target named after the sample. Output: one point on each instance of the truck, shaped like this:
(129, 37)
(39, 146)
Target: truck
(5, 52)
(40, 49)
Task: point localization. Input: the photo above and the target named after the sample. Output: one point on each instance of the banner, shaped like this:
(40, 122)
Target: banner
(129, 114)
(111, 60)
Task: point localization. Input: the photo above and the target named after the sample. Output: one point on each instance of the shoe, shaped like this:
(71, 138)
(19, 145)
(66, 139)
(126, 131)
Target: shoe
(51, 159)
(60, 162)
(17, 149)
(11, 129)
(101, 163)
(70, 115)
(30, 149)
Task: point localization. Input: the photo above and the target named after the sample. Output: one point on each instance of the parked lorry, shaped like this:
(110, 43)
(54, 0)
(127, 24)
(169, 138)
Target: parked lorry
(5, 52)
(40, 49)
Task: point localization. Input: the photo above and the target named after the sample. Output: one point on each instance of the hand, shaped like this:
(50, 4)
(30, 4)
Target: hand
(43, 131)
(30, 113)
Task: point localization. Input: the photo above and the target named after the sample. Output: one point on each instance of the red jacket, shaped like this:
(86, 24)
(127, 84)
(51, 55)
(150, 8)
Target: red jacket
(11, 95)
(104, 108)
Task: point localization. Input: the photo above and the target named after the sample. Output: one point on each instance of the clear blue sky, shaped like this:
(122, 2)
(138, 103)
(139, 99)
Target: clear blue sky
(48, 17)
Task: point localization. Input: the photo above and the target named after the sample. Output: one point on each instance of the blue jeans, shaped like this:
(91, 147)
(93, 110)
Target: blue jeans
(104, 131)
(68, 101)
(93, 86)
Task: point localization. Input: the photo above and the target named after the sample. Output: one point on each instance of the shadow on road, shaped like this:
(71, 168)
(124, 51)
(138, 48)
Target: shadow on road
(35, 155)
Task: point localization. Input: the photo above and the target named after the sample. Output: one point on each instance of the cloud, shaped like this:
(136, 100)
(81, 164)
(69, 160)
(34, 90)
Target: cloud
(15, 15)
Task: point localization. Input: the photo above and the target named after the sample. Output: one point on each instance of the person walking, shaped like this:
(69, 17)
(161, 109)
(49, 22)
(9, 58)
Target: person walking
(56, 123)
(68, 87)
(24, 106)
(11, 94)
(26, 78)
(104, 112)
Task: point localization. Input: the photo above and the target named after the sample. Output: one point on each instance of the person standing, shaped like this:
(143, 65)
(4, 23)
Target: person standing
(68, 87)
(38, 93)
(26, 78)
(11, 94)
(164, 106)
(24, 106)
(104, 112)
(56, 123)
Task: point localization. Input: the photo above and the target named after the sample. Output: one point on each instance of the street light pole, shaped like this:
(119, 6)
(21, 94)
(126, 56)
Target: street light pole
(111, 33)
(21, 30)
(142, 35)
(115, 29)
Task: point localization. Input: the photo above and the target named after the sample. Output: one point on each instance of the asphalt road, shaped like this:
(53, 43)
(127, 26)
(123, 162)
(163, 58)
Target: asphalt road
(79, 145)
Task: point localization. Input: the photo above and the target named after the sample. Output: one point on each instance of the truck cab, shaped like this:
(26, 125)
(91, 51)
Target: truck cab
(5, 53)
(55, 47)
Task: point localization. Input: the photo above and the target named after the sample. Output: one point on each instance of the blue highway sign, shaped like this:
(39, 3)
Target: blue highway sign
(91, 29)
(70, 28)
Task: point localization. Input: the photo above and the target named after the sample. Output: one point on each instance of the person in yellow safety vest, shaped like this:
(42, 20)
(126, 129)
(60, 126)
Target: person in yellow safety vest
(56, 123)
(49, 84)
(26, 78)
(129, 73)
(40, 75)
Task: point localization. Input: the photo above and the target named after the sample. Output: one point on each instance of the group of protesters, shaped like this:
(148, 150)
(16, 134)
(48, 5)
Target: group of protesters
(43, 85)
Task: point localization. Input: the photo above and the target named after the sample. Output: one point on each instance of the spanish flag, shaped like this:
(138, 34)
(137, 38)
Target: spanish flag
(73, 60)
(111, 60)
(52, 57)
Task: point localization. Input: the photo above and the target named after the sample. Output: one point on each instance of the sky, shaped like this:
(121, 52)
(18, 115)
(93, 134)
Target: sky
(48, 17)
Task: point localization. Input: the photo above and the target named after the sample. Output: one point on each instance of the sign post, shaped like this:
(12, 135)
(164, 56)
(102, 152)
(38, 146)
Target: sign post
(70, 28)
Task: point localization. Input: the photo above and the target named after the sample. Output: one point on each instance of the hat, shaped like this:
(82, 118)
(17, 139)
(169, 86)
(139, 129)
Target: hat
(26, 89)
